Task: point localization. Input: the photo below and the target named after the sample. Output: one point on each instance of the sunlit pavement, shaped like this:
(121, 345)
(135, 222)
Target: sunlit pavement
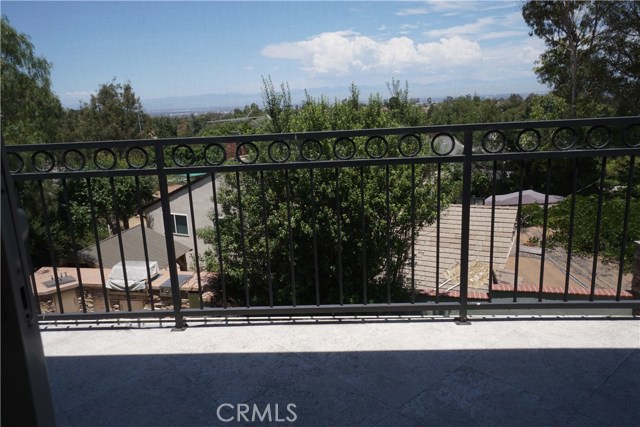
(494, 371)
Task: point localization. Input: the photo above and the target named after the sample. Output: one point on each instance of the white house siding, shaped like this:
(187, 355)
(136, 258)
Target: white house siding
(201, 193)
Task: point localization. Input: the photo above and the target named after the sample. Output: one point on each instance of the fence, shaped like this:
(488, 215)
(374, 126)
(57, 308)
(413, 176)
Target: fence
(334, 222)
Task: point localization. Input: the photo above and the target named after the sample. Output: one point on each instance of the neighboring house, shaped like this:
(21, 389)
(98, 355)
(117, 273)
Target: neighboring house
(133, 248)
(182, 228)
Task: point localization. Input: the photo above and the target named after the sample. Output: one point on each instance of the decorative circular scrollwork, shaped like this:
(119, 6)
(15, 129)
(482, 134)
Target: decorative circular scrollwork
(213, 159)
(279, 151)
(439, 136)
(311, 150)
(18, 160)
(72, 165)
(247, 158)
(178, 158)
(494, 141)
(131, 155)
(632, 133)
(381, 142)
(102, 152)
(528, 143)
(564, 143)
(49, 161)
(592, 134)
(407, 141)
(344, 148)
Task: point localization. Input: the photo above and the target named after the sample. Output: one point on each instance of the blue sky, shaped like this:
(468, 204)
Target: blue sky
(185, 49)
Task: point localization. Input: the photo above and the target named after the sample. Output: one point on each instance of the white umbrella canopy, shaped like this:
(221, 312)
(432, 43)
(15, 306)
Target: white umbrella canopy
(528, 197)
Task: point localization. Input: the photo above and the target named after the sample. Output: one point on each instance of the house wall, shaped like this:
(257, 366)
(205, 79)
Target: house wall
(202, 194)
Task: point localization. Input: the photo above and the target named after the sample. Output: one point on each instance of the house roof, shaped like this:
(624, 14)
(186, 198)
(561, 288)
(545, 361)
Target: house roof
(178, 189)
(133, 248)
(528, 197)
(479, 243)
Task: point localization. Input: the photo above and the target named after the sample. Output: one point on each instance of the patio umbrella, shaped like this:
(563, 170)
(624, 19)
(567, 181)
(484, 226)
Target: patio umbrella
(528, 197)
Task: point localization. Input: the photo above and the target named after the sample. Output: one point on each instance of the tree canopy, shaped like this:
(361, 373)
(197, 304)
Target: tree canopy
(328, 200)
(592, 58)
(30, 110)
(113, 113)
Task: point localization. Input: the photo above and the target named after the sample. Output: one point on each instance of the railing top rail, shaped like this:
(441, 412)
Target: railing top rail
(301, 136)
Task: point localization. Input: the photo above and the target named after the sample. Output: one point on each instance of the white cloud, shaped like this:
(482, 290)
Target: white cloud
(382, 27)
(472, 28)
(410, 11)
(485, 28)
(512, 60)
(405, 27)
(450, 8)
(345, 52)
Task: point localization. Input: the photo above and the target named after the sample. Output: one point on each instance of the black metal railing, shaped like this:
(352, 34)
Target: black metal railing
(329, 222)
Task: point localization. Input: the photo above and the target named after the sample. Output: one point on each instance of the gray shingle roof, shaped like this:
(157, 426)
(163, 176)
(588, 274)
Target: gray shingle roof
(133, 248)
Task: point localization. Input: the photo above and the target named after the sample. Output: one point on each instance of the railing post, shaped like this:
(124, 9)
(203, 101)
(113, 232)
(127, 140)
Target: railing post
(168, 235)
(465, 226)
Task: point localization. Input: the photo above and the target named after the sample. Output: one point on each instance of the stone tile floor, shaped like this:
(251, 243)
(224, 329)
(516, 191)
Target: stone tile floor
(495, 371)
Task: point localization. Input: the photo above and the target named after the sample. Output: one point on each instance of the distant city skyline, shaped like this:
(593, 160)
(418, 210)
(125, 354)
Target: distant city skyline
(188, 52)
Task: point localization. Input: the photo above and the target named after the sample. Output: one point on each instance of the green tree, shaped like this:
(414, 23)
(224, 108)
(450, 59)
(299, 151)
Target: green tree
(401, 107)
(621, 54)
(611, 235)
(30, 115)
(592, 51)
(113, 113)
(130, 193)
(277, 104)
(30, 109)
(294, 189)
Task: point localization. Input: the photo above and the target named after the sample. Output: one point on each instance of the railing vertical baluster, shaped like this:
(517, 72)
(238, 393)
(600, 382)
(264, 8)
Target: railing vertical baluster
(292, 263)
(493, 226)
(363, 220)
(52, 257)
(438, 207)
(315, 235)
(413, 233)
(96, 237)
(243, 249)
(518, 230)
(145, 247)
(265, 225)
(388, 233)
(72, 233)
(625, 226)
(32, 277)
(167, 221)
(216, 223)
(195, 240)
(466, 219)
(116, 214)
(543, 244)
(572, 215)
(596, 243)
(339, 237)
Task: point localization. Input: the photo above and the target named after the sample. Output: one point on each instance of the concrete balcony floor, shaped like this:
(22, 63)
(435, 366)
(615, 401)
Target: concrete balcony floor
(520, 371)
